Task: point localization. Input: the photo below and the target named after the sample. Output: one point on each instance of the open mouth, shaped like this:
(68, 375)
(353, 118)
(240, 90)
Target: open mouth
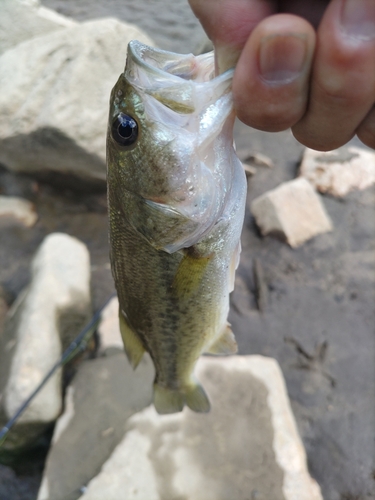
(182, 66)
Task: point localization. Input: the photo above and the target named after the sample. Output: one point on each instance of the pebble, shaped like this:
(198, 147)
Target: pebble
(339, 171)
(16, 211)
(293, 211)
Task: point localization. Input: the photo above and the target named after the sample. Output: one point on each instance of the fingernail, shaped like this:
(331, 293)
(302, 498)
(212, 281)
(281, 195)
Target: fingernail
(282, 58)
(358, 18)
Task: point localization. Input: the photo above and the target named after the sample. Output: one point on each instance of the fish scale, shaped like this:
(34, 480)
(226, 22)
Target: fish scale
(176, 196)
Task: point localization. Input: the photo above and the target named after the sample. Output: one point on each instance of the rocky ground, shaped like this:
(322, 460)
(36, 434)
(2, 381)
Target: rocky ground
(311, 307)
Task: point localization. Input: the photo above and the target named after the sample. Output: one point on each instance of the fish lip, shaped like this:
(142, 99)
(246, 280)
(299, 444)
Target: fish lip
(136, 57)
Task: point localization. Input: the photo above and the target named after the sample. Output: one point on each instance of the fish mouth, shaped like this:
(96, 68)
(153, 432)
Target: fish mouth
(182, 82)
(161, 65)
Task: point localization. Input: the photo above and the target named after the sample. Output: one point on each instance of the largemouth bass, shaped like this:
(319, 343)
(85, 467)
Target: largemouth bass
(176, 194)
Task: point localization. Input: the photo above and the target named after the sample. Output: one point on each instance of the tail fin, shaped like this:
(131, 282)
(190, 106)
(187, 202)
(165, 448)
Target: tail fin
(173, 400)
(197, 399)
(168, 400)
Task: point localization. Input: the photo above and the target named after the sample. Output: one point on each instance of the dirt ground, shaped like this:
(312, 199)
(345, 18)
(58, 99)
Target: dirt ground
(311, 308)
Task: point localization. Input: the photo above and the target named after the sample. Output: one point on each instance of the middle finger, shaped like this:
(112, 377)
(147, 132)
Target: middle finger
(343, 77)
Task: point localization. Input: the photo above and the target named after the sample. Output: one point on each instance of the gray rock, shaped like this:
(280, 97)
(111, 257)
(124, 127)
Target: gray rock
(292, 211)
(54, 108)
(24, 19)
(103, 395)
(246, 447)
(16, 211)
(339, 171)
(46, 316)
(170, 23)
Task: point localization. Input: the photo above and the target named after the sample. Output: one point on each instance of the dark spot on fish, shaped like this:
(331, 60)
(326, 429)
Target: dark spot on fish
(125, 130)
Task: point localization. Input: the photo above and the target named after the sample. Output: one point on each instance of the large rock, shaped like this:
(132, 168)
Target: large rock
(24, 19)
(247, 447)
(292, 211)
(16, 211)
(104, 394)
(54, 108)
(339, 171)
(170, 23)
(47, 315)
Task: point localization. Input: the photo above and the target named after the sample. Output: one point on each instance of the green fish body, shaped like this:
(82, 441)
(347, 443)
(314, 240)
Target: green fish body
(176, 195)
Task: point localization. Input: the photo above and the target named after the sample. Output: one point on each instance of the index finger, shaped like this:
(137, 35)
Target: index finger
(228, 24)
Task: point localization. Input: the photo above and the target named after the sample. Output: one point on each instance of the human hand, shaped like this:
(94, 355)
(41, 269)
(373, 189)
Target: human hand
(320, 82)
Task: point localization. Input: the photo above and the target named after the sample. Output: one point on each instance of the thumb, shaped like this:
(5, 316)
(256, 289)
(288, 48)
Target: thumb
(228, 24)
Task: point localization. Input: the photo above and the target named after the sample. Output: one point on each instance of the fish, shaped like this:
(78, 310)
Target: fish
(176, 203)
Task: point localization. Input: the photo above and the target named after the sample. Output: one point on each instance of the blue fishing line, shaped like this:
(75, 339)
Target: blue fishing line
(78, 343)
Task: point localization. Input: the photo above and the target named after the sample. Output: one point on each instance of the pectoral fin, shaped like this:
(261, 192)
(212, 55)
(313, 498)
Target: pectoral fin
(189, 275)
(133, 346)
(225, 344)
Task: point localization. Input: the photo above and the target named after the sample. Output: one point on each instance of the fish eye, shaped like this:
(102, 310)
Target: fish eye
(124, 130)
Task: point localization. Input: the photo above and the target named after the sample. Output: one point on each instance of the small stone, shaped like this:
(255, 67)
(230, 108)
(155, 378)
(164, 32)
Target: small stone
(54, 109)
(250, 171)
(16, 211)
(44, 319)
(292, 211)
(247, 446)
(109, 328)
(254, 158)
(31, 20)
(105, 392)
(259, 160)
(339, 171)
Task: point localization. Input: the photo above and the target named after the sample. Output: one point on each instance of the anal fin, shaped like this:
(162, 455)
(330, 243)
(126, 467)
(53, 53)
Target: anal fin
(197, 399)
(133, 346)
(225, 344)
